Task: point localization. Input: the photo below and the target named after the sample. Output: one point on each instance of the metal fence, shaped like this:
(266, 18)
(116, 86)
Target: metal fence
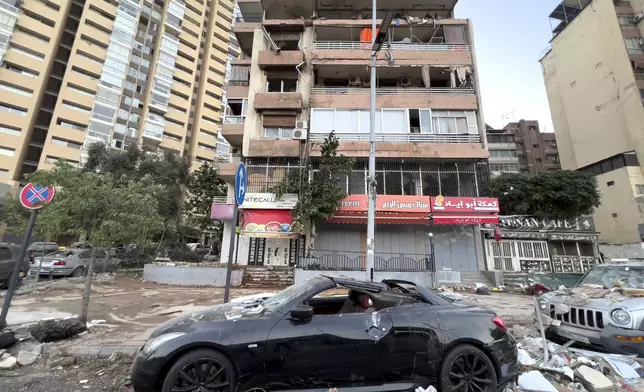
(336, 260)
(348, 45)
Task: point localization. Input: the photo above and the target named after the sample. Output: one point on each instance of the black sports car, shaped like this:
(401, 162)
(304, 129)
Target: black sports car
(331, 332)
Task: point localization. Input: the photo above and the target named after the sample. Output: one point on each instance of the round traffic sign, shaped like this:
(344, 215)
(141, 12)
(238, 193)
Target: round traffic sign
(34, 197)
(240, 184)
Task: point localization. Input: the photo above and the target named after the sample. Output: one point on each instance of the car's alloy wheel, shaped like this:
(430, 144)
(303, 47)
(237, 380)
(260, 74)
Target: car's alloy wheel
(468, 369)
(201, 371)
(78, 272)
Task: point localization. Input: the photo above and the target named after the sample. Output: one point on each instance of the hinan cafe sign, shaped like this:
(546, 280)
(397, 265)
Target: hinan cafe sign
(527, 223)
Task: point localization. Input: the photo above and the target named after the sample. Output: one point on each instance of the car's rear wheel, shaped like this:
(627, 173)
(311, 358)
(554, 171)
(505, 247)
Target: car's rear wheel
(78, 272)
(466, 368)
(202, 370)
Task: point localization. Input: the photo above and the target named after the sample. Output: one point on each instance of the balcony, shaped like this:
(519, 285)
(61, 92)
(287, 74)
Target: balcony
(278, 101)
(403, 137)
(285, 58)
(430, 45)
(228, 166)
(233, 130)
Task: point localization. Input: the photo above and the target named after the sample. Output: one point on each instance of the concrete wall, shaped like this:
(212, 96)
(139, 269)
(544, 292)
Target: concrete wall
(434, 101)
(409, 150)
(597, 112)
(420, 278)
(623, 251)
(191, 276)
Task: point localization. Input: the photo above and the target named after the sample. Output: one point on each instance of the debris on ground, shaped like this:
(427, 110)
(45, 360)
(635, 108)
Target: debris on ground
(7, 339)
(54, 330)
(28, 356)
(8, 361)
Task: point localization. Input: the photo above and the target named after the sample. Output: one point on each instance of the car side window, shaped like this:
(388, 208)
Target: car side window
(5, 254)
(341, 300)
(100, 254)
(86, 255)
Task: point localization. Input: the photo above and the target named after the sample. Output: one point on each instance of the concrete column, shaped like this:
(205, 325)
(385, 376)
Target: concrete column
(306, 79)
(478, 246)
(477, 83)
(256, 84)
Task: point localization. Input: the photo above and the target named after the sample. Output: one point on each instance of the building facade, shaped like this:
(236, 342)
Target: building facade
(304, 73)
(521, 147)
(144, 72)
(594, 76)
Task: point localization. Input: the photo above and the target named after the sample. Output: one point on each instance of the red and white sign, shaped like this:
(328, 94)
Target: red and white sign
(267, 223)
(222, 211)
(35, 197)
(465, 204)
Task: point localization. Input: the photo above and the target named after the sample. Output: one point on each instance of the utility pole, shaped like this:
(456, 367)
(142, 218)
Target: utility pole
(378, 40)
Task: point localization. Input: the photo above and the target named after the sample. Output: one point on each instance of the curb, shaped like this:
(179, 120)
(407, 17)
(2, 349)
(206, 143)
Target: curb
(101, 351)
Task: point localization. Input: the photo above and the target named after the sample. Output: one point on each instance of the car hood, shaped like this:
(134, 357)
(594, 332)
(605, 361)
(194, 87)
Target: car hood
(220, 313)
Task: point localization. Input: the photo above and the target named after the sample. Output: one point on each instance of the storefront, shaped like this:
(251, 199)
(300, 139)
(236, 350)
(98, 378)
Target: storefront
(403, 228)
(265, 232)
(560, 246)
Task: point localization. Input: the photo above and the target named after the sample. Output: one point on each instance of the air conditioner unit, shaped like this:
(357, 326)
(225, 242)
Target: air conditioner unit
(299, 134)
(638, 17)
(405, 82)
(301, 125)
(355, 82)
(366, 82)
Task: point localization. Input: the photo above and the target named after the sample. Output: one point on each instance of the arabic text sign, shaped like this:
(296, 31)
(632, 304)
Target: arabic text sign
(465, 204)
(387, 203)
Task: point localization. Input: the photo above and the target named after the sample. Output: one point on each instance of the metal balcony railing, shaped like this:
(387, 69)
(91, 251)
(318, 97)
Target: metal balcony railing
(234, 119)
(228, 158)
(403, 137)
(414, 46)
(223, 199)
(390, 91)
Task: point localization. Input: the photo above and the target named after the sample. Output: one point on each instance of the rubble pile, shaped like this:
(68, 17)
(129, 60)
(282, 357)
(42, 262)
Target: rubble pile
(568, 369)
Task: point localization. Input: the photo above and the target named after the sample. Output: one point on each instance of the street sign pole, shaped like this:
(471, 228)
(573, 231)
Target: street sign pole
(240, 195)
(16, 270)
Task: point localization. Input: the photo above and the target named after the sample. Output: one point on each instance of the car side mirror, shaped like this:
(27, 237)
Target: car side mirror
(302, 313)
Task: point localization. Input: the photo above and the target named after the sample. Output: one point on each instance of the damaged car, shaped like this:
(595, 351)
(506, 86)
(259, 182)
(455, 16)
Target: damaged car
(331, 332)
(604, 311)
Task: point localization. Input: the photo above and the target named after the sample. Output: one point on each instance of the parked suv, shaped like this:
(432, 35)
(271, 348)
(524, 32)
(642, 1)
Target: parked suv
(602, 311)
(8, 260)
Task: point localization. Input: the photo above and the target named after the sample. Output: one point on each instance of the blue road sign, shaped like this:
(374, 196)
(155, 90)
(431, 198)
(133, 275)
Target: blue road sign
(240, 184)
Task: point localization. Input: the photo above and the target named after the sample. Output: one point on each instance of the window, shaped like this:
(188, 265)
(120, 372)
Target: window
(610, 183)
(21, 70)
(639, 188)
(7, 151)
(9, 130)
(81, 90)
(633, 46)
(454, 121)
(535, 146)
(69, 124)
(76, 107)
(538, 159)
(66, 143)
(13, 109)
(626, 19)
(503, 153)
(504, 167)
(27, 52)
(278, 133)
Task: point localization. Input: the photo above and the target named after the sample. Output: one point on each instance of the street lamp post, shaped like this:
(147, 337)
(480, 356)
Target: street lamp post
(378, 40)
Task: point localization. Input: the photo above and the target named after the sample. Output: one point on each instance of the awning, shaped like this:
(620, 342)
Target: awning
(267, 224)
(452, 219)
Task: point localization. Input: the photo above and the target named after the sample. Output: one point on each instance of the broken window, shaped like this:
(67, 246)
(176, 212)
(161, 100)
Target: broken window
(343, 300)
(279, 85)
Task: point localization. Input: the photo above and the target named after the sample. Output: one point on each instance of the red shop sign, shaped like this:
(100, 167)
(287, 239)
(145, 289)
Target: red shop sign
(482, 205)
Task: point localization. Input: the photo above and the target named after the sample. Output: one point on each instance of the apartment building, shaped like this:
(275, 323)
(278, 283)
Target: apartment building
(521, 147)
(594, 77)
(76, 72)
(303, 73)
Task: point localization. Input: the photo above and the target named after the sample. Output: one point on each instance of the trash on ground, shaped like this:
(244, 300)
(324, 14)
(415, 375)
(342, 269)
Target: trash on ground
(54, 330)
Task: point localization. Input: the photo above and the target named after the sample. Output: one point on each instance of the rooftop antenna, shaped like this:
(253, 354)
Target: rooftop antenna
(505, 118)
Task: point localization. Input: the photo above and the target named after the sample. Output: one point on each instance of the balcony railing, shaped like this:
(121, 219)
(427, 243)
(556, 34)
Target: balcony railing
(234, 119)
(227, 158)
(403, 137)
(348, 45)
(390, 91)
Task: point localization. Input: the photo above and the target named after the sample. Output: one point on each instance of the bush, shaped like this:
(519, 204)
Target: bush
(184, 256)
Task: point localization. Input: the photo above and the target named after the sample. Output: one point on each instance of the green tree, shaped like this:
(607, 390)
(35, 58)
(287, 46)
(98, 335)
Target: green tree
(168, 170)
(557, 194)
(16, 217)
(106, 209)
(205, 184)
(321, 197)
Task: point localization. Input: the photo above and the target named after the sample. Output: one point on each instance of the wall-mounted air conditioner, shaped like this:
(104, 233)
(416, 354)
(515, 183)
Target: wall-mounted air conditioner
(638, 17)
(355, 82)
(366, 82)
(405, 82)
(301, 125)
(299, 134)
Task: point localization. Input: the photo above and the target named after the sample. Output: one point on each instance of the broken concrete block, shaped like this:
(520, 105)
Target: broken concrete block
(8, 363)
(593, 380)
(535, 381)
(524, 358)
(27, 357)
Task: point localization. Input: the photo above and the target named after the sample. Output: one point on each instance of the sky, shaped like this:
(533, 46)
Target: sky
(509, 36)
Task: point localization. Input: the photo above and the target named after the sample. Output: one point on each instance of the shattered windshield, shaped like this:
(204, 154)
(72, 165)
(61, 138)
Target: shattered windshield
(615, 276)
(287, 295)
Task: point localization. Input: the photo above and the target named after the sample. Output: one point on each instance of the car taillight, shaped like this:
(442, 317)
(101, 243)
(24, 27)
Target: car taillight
(499, 323)
(60, 262)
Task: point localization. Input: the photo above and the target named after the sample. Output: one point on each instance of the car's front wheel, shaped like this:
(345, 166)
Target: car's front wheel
(203, 370)
(466, 368)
